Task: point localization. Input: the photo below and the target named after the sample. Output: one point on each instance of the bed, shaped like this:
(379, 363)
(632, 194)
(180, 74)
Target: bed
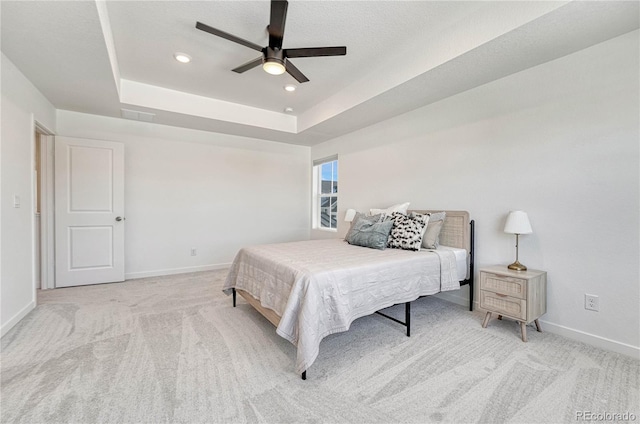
(314, 288)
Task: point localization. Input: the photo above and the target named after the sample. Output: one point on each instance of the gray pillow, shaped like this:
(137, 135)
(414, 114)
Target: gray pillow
(372, 219)
(370, 234)
(431, 239)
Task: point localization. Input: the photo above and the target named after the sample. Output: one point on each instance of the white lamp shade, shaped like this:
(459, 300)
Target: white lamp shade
(517, 223)
(349, 215)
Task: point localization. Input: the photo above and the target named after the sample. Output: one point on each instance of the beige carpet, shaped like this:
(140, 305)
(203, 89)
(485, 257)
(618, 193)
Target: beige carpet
(172, 349)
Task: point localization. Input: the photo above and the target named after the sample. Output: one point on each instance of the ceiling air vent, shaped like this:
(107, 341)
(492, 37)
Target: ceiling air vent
(137, 115)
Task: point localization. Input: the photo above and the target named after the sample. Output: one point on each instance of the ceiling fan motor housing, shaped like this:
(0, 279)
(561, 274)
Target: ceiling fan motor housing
(274, 55)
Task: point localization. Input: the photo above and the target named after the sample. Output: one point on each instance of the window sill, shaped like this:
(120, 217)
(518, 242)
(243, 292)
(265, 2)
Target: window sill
(328, 230)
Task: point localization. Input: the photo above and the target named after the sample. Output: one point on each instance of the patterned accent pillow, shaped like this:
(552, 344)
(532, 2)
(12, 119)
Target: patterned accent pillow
(370, 234)
(407, 231)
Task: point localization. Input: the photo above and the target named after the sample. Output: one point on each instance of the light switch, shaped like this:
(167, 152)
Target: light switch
(16, 201)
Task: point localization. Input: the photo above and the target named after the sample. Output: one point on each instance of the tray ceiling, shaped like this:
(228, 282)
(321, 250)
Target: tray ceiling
(100, 57)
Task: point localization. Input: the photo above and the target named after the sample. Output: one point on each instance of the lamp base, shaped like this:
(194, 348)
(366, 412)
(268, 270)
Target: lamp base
(517, 266)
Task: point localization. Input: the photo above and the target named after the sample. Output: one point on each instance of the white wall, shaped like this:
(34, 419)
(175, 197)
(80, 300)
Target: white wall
(21, 104)
(213, 192)
(559, 141)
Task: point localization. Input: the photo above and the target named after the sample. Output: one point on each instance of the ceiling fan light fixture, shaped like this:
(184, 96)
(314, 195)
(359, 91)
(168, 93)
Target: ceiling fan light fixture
(273, 67)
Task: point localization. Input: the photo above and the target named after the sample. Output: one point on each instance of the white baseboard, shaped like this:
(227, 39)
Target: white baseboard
(592, 339)
(459, 297)
(17, 317)
(581, 336)
(172, 271)
(454, 298)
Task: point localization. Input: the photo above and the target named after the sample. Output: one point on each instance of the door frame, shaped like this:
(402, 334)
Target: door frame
(47, 248)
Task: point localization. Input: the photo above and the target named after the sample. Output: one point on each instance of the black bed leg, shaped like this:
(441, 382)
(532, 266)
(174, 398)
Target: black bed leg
(304, 374)
(472, 254)
(234, 297)
(407, 317)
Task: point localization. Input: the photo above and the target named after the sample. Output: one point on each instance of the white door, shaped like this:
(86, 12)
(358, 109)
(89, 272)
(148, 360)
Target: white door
(89, 211)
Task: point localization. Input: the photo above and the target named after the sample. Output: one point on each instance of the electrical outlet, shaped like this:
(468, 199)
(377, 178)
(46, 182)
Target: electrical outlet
(194, 252)
(591, 302)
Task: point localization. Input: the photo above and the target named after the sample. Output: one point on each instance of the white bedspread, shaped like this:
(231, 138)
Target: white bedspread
(320, 287)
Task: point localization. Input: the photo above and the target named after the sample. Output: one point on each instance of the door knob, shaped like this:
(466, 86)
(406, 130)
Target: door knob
(119, 218)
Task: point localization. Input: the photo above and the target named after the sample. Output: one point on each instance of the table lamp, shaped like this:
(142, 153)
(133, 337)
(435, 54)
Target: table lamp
(517, 223)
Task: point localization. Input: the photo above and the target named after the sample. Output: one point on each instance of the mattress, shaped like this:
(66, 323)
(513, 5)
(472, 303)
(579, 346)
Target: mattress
(461, 260)
(319, 287)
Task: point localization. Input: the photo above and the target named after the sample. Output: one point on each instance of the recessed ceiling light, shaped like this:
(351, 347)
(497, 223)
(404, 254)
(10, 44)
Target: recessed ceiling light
(290, 87)
(182, 57)
(288, 109)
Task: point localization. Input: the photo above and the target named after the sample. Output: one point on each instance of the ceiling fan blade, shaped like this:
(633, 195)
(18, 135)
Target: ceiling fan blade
(249, 65)
(316, 51)
(276, 23)
(226, 35)
(295, 72)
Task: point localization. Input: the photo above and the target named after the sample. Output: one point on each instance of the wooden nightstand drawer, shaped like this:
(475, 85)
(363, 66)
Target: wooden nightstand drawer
(508, 306)
(502, 284)
(520, 295)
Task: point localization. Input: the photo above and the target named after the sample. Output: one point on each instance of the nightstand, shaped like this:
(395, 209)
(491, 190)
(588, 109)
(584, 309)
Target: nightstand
(519, 295)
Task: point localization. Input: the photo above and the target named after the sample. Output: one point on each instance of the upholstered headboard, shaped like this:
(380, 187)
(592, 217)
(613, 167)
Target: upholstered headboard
(456, 231)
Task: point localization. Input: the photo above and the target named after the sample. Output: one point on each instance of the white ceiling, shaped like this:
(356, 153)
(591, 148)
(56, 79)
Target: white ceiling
(99, 57)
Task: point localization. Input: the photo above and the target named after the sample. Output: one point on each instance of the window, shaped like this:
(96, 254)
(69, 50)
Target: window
(325, 178)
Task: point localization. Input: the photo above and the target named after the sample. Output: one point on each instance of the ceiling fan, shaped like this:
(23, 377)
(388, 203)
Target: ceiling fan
(275, 59)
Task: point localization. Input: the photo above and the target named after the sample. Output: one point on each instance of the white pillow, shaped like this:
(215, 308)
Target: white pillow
(400, 207)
